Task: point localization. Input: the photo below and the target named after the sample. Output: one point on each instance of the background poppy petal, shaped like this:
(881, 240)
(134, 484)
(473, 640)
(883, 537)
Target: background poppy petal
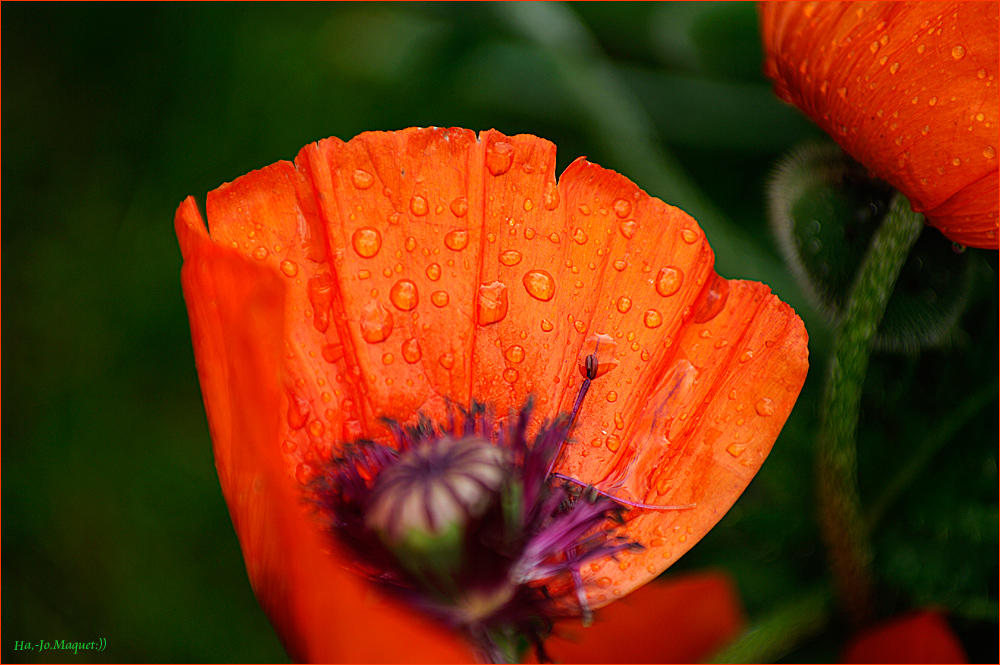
(321, 611)
(921, 637)
(908, 89)
(682, 620)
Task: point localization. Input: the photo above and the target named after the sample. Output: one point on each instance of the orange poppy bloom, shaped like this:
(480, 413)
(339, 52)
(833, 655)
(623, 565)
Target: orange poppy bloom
(419, 335)
(908, 89)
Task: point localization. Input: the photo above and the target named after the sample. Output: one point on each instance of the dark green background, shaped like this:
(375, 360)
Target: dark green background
(113, 522)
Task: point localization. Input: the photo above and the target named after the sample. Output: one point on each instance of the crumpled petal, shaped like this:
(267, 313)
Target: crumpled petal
(909, 89)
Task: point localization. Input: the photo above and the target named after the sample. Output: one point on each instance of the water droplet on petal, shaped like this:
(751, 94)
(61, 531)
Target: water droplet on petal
(579, 236)
(333, 352)
(612, 396)
(459, 207)
(411, 350)
(894, 68)
(627, 228)
(510, 257)
(958, 52)
(388, 358)
(499, 157)
(366, 242)
(652, 318)
(403, 295)
(362, 179)
(746, 357)
(447, 360)
(320, 294)
(418, 206)
(260, 253)
(714, 300)
(612, 442)
(765, 406)
(620, 265)
(439, 298)
(528, 205)
(434, 272)
(550, 196)
(510, 375)
(622, 208)
(689, 236)
(529, 233)
(298, 411)
(514, 354)
(624, 304)
(989, 152)
(375, 323)
(736, 449)
(289, 268)
(539, 285)
(304, 473)
(603, 582)
(669, 280)
(491, 305)
(456, 240)
(546, 325)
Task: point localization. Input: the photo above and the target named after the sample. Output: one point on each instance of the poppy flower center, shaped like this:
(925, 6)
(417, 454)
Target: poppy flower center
(467, 522)
(435, 486)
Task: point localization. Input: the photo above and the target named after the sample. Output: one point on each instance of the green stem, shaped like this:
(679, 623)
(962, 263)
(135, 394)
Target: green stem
(844, 529)
(776, 635)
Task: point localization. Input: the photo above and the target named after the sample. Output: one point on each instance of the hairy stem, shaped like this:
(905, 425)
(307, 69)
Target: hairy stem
(844, 528)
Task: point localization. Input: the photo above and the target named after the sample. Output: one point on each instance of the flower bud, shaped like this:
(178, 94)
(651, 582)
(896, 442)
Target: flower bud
(825, 208)
(421, 506)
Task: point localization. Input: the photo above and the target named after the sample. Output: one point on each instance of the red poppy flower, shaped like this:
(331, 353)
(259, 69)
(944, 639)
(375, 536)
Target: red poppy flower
(500, 398)
(908, 89)
(921, 637)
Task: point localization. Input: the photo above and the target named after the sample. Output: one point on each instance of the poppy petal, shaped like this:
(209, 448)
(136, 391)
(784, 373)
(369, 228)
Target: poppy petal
(907, 89)
(698, 432)
(683, 620)
(403, 213)
(921, 637)
(321, 611)
(268, 217)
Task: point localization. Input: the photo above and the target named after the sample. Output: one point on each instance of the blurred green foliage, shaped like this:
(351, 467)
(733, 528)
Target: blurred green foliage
(114, 523)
